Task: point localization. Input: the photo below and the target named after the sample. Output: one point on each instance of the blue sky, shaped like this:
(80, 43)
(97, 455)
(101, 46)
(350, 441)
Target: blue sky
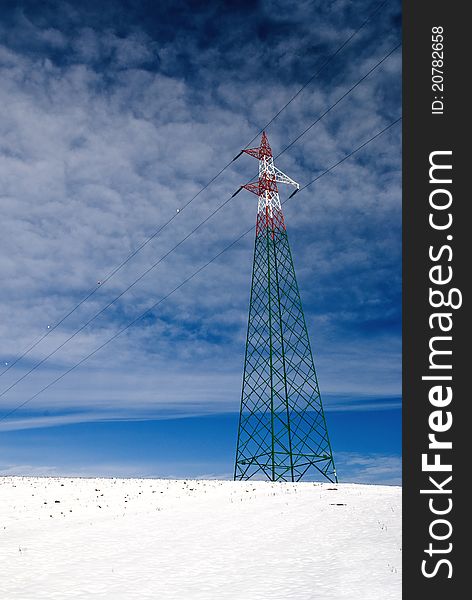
(114, 115)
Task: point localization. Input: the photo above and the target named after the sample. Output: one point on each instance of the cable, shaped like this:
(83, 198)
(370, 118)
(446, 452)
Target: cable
(51, 328)
(112, 273)
(328, 60)
(339, 99)
(347, 156)
(96, 315)
(162, 258)
(190, 277)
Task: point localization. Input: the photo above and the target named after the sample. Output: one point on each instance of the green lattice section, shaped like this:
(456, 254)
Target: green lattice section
(282, 429)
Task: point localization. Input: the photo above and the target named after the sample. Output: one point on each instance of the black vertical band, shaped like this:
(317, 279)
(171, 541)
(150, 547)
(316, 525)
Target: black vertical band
(436, 233)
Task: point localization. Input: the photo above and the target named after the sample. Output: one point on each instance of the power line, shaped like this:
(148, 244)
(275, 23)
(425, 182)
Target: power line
(162, 258)
(348, 156)
(115, 270)
(328, 60)
(359, 81)
(189, 278)
(112, 273)
(102, 310)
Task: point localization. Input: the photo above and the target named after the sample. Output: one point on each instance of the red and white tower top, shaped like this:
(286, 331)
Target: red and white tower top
(269, 208)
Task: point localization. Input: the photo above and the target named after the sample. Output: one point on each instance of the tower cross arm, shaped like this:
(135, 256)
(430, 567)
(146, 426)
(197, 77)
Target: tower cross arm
(252, 187)
(282, 178)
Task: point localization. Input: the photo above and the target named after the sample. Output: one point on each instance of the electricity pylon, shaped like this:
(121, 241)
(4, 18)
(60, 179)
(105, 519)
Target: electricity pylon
(282, 428)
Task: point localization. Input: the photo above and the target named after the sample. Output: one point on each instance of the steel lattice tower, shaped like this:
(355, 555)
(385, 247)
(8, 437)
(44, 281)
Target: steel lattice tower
(282, 428)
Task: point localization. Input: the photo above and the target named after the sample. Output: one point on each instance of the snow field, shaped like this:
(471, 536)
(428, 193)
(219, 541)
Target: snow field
(126, 539)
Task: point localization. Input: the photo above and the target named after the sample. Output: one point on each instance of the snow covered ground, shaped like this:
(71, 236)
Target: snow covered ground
(126, 539)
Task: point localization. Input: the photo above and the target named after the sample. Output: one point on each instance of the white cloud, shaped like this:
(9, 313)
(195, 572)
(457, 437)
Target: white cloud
(99, 150)
(374, 468)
